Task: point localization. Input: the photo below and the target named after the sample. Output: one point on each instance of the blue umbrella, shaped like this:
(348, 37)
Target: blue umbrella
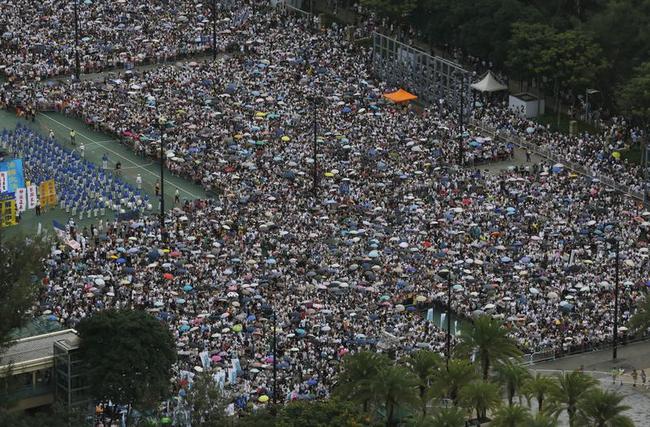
(120, 261)
(506, 259)
(187, 288)
(251, 318)
(184, 328)
(300, 331)
(180, 301)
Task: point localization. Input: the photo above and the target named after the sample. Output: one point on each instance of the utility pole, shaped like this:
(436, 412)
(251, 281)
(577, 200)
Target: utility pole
(616, 285)
(214, 29)
(315, 144)
(162, 121)
(77, 64)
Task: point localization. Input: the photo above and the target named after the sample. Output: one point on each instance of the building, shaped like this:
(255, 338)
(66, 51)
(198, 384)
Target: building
(39, 370)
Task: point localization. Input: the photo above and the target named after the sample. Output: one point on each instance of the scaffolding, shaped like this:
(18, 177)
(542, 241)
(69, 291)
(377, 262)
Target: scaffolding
(431, 78)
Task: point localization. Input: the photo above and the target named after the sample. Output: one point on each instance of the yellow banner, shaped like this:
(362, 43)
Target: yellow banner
(47, 191)
(7, 213)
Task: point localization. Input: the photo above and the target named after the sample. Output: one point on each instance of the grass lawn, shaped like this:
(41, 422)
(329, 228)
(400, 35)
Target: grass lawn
(551, 118)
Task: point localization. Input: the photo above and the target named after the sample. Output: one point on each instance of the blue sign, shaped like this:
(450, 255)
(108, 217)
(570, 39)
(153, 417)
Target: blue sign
(15, 177)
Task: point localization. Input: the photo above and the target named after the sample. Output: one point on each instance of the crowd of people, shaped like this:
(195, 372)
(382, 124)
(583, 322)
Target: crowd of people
(334, 213)
(37, 39)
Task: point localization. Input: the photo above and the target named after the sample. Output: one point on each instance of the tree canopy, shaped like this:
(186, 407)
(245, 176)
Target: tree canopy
(129, 355)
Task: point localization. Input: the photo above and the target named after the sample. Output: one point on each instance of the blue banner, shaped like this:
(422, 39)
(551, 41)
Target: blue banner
(15, 177)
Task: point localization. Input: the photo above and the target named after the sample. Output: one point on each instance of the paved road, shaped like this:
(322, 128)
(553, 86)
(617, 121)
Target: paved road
(599, 364)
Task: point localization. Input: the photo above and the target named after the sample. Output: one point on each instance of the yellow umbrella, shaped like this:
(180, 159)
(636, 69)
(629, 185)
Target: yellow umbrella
(616, 155)
(263, 398)
(420, 298)
(239, 136)
(329, 174)
(260, 114)
(285, 138)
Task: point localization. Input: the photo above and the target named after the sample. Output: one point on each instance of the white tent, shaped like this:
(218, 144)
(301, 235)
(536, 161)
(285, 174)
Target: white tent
(489, 83)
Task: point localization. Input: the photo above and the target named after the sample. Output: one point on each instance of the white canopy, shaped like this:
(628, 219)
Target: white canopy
(489, 83)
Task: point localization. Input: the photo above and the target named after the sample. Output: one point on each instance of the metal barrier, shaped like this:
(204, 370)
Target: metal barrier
(543, 152)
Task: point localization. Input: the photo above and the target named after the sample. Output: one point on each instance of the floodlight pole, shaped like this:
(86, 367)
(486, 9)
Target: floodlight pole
(616, 286)
(162, 122)
(214, 29)
(77, 65)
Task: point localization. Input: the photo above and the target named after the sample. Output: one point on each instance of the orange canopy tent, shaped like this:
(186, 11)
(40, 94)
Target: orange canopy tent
(400, 96)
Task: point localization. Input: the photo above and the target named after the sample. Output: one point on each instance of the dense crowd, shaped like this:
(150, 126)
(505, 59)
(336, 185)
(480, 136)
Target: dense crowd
(37, 39)
(354, 263)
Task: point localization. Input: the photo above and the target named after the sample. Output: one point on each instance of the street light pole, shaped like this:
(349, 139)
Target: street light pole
(162, 121)
(616, 248)
(77, 65)
(214, 29)
(315, 146)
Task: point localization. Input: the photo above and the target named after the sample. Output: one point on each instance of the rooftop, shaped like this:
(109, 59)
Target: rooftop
(37, 347)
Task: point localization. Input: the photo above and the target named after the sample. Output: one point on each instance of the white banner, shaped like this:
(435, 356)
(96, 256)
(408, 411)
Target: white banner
(3, 182)
(21, 199)
(32, 196)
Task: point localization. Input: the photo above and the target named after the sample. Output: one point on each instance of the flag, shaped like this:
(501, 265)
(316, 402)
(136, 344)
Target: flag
(4, 186)
(21, 199)
(32, 196)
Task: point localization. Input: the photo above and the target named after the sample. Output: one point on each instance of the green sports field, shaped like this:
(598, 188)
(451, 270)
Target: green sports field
(96, 145)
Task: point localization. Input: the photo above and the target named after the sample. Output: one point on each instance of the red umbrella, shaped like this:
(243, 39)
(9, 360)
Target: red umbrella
(168, 276)
(175, 254)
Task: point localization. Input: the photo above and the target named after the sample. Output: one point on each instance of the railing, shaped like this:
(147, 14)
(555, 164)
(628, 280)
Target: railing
(544, 152)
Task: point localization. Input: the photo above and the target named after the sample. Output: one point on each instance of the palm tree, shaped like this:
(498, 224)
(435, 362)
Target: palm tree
(538, 387)
(480, 396)
(394, 386)
(512, 376)
(571, 387)
(601, 408)
(489, 341)
(358, 371)
(542, 420)
(641, 319)
(450, 381)
(448, 417)
(424, 365)
(511, 416)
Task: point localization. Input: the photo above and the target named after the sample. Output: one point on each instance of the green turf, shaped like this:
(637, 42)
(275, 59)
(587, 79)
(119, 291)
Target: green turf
(551, 118)
(96, 144)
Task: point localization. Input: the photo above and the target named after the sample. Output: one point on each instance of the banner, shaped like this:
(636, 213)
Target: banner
(47, 192)
(3, 182)
(14, 170)
(21, 199)
(7, 210)
(32, 196)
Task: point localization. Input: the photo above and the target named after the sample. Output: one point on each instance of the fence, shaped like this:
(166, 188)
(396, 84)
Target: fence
(548, 154)
(429, 77)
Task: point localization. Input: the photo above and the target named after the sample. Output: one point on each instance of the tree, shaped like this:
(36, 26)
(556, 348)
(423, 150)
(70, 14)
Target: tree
(395, 10)
(480, 396)
(538, 387)
(331, 412)
(542, 420)
(511, 416)
(571, 387)
(20, 270)
(489, 340)
(394, 386)
(528, 47)
(425, 366)
(601, 408)
(442, 417)
(129, 356)
(207, 401)
(511, 375)
(634, 99)
(449, 382)
(56, 417)
(358, 371)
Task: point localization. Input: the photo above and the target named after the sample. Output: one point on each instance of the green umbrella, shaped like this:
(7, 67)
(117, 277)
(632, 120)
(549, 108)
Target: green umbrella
(165, 420)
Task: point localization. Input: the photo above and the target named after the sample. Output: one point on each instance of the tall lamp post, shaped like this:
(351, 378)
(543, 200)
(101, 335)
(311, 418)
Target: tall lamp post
(77, 65)
(587, 93)
(315, 147)
(214, 29)
(162, 122)
(616, 287)
(446, 274)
